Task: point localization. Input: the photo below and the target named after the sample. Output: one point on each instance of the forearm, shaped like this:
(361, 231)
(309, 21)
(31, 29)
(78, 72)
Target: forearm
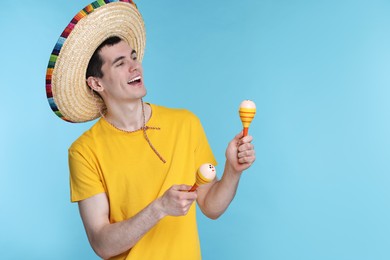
(116, 238)
(221, 193)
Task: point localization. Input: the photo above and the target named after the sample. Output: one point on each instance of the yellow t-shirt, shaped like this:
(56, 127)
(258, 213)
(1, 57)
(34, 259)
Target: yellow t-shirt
(123, 165)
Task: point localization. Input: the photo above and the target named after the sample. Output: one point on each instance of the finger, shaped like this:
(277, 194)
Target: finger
(181, 187)
(185, 210)
(246, 147)
(247, 160)
(246, 139)
(239, 135)
(190, 203)
(246, 153)
(190, 196)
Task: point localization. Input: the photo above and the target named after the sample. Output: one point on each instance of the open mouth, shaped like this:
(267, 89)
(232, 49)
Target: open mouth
(134, 81)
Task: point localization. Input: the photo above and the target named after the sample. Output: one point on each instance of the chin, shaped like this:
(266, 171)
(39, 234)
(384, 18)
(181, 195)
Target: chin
(144, 92)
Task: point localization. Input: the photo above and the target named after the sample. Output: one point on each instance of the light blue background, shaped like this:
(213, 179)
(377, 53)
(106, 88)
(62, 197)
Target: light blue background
(319, 74)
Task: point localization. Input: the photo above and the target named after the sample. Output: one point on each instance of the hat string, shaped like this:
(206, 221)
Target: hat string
(143, 128)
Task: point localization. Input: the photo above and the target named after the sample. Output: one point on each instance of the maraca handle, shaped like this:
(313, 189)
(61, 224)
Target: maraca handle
(193, 188)
(246, 131)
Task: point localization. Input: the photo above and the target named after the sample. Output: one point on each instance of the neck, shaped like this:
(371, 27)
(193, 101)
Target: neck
(131, 117)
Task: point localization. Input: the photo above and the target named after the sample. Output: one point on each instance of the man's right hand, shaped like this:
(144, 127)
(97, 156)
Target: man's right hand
(176, 201)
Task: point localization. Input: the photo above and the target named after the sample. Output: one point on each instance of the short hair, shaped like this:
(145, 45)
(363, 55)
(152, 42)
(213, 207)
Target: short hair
(95, 64)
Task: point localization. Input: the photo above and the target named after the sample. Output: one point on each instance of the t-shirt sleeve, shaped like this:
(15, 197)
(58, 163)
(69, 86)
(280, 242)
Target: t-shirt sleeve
(203, 152)
(85, 180)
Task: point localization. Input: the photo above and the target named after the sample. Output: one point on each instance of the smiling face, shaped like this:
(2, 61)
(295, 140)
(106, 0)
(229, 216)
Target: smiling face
(122, 78)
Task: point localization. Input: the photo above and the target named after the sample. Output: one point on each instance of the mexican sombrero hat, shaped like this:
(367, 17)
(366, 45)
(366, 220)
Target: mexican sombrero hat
(68, 94)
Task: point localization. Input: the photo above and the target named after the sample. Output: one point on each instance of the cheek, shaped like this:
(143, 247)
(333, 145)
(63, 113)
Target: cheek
(113, 76)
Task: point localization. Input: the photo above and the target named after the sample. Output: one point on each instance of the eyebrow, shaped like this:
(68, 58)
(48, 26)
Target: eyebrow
(122, 57)
(117, 59)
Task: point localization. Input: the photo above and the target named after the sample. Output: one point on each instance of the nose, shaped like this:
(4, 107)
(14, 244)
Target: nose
(133, 65)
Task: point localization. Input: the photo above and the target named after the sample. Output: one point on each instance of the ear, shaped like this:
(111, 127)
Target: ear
(94, 84)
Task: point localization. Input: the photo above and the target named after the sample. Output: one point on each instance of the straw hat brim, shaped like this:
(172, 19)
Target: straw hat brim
(68, 94)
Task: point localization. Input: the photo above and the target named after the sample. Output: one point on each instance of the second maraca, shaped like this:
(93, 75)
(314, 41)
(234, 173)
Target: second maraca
(205, 174)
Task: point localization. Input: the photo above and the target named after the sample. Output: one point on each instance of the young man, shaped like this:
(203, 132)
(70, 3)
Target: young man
(130, 173)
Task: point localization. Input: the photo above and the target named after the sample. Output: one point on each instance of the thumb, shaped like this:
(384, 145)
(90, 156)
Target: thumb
(182, 187)
(238, 136)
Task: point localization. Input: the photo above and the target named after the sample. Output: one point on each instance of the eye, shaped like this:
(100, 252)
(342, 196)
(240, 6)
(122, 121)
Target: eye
(119, 64)
(134, 55)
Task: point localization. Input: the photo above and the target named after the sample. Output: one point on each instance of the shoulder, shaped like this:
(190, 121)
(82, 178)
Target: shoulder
(87, 139)
(174, 114)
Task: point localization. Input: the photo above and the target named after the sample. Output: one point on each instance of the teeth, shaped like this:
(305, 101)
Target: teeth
(134, 79)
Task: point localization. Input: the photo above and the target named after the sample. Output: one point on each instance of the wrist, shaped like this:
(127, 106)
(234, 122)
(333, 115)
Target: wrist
(158, 209)
(230, 169)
